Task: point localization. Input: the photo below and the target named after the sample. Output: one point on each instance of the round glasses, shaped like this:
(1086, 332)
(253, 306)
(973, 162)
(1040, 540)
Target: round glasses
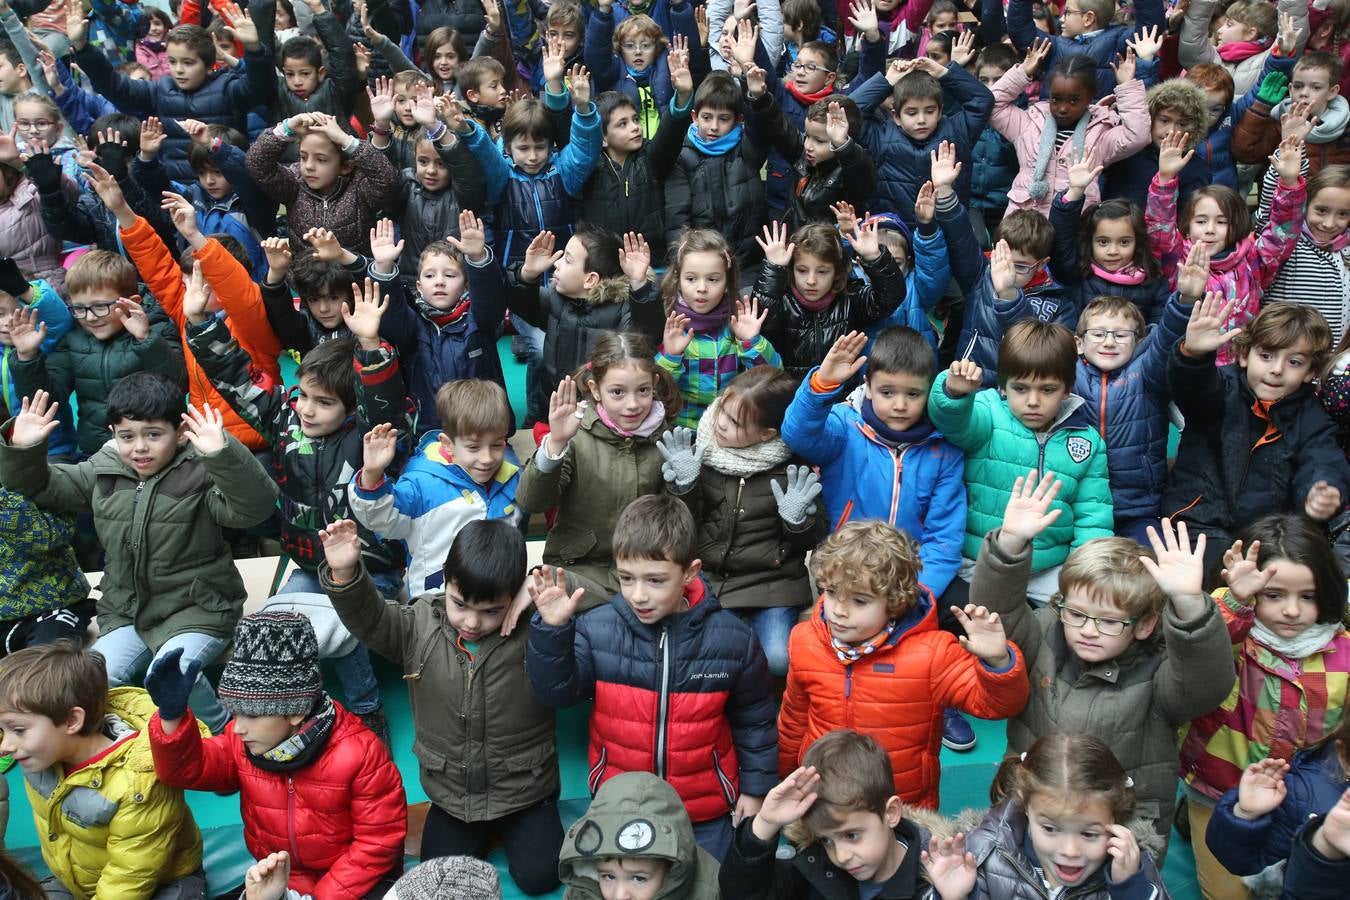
(1075, 619)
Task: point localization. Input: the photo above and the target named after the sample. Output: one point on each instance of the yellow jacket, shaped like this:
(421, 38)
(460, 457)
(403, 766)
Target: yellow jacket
(110, 830)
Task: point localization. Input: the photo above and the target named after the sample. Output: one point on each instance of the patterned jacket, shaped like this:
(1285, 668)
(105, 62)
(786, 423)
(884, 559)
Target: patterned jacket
(38, 571)
(707, 366)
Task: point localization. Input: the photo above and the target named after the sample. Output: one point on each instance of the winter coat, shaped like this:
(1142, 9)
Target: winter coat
(930, 272)
(651, 91)
(425, 216)
(994, 167)
(723, 193)
(342, 817)
(1195, 46)
(245, 213)
(1113, 133)
(1217, 149)
(169, 569)
(803, 337)
(1103, 45)
(1258, 135)
(25, 239)
(111, 828)
(312, 471)
(52, 312)
(1000, 449)
(637, 797)
(919, 488)
(710, 362)
(1135, 702)
(686, 698)
(1066, 217)
(485, 747)
(339, 88)
(1276, 706)
(465, 16)
(896, 694)
(38, 569)
(1227, 471)
(1310, 875)
(1129, 179)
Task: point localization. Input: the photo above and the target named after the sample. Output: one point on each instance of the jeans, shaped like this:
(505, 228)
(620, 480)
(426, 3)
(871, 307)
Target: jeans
(128, 657)
(772, 626)
(536, 393)
(715, 836)
(532, 838)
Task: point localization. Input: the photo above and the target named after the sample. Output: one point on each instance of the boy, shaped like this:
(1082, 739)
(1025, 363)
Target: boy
(345, 816)
(1257, 440)
(841, 804)
(1318, 110)
(482, 84)
(116, 338)
(457, 476)
(994, 162)
(1243, 38)
(486, 750)
(107, 826)
(15, 81)
(645, 846)
(664, 644)
(634, 57)
(1174, 105)
(1130, 650)
(22, 299)
(316, 75)
(171, 584)
(866, 443)
(1086, 28)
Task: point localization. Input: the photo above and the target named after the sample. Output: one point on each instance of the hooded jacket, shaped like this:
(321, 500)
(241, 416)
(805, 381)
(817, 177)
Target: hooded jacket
(637, 816)
(1195, 46)
(1104, 46)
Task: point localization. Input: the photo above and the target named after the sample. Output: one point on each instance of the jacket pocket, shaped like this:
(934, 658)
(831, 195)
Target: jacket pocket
(534, 762)
(729, 792)
(575, 544)
(597, 772)
(202, 593)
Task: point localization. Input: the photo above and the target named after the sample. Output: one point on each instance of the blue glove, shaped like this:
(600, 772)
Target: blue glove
(169, 686)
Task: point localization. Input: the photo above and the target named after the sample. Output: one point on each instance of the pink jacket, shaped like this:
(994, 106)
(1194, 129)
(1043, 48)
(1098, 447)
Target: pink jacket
(1248, 269)
(1112, 133)
(154, 56)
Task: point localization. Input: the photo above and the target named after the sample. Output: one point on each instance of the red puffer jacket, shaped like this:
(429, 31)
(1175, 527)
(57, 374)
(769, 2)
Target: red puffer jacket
(342, 818)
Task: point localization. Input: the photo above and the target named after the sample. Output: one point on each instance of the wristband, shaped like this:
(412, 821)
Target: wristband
(284, 131)
(435, 136)
(352, 145)
(381, 130)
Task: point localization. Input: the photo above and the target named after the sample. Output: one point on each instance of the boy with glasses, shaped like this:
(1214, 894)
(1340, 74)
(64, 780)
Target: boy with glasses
(1128, 650)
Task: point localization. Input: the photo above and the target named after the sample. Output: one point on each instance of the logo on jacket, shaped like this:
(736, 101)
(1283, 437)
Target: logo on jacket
(636, 836)
(1080, 448)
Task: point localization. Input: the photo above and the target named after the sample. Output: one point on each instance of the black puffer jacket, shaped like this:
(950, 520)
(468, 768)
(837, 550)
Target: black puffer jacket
(465, 16)
(425, 216)
(723, 193)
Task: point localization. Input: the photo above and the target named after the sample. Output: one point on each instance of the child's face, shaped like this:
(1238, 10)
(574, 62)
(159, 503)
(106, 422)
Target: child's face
(946, 21)
(531, 154)
(326, 310)
(1216, 104)
(1102, 344)
(570, 35)
(654, 588)
(735, 429)
(639, 51)
(703, 280)
(1025, 267)
(810, 73)
(816, 143)
(714, 123)
(1231, 31)
(431, 171)
(259, 734)
(938, 53)
(919, 117)
(812, 276)
(864, 845)
(1275, 374)
(213, 181)
(898, 398)
(403, 104)
(321, 163)
(37, 123)
(321, 412)
(224, 45)
(886, 6)
(477, 619)
(1071, 22)
(1089, 641)
(623, 134)
(1328, 214)
(441, 281)
(36, 742)
(631, 879)
(627, 393)
(1069, 840)
(1069, 99)
(1209, 226)
(1113, 244)
(302, 78)
(1035, 400)
(1309, 85)
(147, 447)
(156, 31)
(897, 246)
(13, 79)
(1165, 121)
(989, 75)
(480, 455)
(282, 19)
(445, 63)
(93, 311)
(185, 67)
(854, 614)
(570, 274)
(792, 31)
(8, 307)
(1288, 603)
(489, 93)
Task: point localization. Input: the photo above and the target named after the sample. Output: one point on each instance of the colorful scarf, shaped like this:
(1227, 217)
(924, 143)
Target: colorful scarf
(807, 99)
(711, 321)
(851, 653)
(1335, 245)
(1237, 51)
(1131, 274)
(720, 147)
(304, 746)
(442, 317)
(655, 417)
(813, 305)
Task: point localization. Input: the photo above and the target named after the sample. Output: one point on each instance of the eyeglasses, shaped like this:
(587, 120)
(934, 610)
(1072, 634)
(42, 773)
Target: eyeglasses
(1070, 12)
(1098, 335)
(1075, 619)
(809, 67)
(92, 311)
(1025, 268)
(34, 125)
(641, 47)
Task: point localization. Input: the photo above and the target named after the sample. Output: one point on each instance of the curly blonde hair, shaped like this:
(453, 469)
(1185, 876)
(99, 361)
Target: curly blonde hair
(874, 558)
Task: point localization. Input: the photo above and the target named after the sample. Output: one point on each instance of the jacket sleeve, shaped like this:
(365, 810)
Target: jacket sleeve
(767, 118)
(245, 494)
(1153, 361)
(258, 82)
(999, 583)
(1133, 132)
(1197, 386)
(883, 292)
(599, 50)
(157, 267)
(1256, 134)
(679, 199)
(1007, 118)
(187, 761)
(1065, 216)
(373, 177)
(1194, 46)
(751, 871)
(792, 715)
(944, 524)
(577, 160)
(379, 816)
(386, 628)
(1160, 214)
(962, 680)
(1276, 241)
(259, 209)
(754, 731)
(286, 322)
(54, 487)
(1093, 510)
(139, 98)
(1311, 876)
(975, 99)
(264, 164)
(859, 182)
(808, 427)
(142, 843)
(258, 399)
(932, 268)
(771, 293)
(340, 57)
(466, 175)
(242, 301)
(962, 420)
(968, 263)
(381, 394)
(664, 147)
(1318, 458)
(540, 490)
(1022, 28)
(496, 169)
(1197, 672)
(558, 661)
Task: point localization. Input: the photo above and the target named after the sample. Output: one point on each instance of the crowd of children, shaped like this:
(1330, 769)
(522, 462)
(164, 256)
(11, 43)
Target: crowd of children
(888, 362)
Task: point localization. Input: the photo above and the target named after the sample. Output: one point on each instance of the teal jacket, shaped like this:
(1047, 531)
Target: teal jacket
(999, 448)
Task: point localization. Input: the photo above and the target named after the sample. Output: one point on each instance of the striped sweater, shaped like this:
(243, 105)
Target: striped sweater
(707, 366)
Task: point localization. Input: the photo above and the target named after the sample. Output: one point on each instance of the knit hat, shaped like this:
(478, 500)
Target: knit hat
(460, 877)
(12, 281)
(274, 670)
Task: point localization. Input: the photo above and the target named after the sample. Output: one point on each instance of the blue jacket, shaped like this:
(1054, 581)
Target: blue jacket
(1130, 408)
(79, 107)
(1149, 295)
(1310, 875)
(929, 274)
(1103, 45)
(52, 312)
(608, 72)
(1216, 149)
(1129, 179)
(918, 488)
(995, 167)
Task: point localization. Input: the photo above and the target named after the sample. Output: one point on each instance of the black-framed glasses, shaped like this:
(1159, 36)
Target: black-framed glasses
(92, 311)
(1098, 335)
(800, 66)
(1075, 619)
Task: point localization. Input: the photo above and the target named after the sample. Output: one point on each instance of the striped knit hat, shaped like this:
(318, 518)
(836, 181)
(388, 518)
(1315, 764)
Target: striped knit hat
(274, 670)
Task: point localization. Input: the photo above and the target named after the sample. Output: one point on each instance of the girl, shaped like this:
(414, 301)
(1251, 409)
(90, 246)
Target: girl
(284, 22)
(942, 17)
(1105, 252)
(1050, 134)
(600, 454)
(395, 131)
(40, 127)
(757, 513)
(805, 319)
(1061, 827)
(444, 52)
(151, 50)
(1316, 273)
(1284, 605)
(23, 236)
(1241, 266)
(706, 343)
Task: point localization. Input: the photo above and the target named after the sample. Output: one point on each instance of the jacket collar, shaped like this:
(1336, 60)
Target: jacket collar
(831, 881)
(431, 460)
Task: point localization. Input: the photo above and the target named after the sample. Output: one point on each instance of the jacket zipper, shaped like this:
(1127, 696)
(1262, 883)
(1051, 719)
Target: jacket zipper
(731, 535)
(663, 710)
(1101, 411)
(135, 503)
(290, 821)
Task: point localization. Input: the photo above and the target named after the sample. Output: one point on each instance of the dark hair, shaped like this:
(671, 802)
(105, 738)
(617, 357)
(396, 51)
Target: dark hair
(901, 350)
(330, 365)
(943, 39)
(1032, 347)
(487, 561)
(999, 55)
(719, 91)
(827, 51)
(313, 278)
(819, 112)
(1281, 326)
(128, 129)
(916, 86)
(804, 15)
(130, 68)
(610, 102)
(1321, 59)
(1027, 231)
(52, 679)
(302, 48)
(199, 155)
(822, 241)
(1072, 768)
(1077, 66)
(19, 880)
(1110, 211)
(625, 348)
(11, 53)
(764, 393)
(196, 39)
(153, 13)
(146, 397)
(228, 242)
(657, 527)
(1231, 206)
(1295, 537)
(289, 9)
(438, 38)
(856, 775)
(602, 250)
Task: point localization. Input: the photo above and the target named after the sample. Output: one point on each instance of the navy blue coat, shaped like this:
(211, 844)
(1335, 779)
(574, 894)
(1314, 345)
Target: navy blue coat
(1149, 295)
(1104, 46)
(1129, 179)
(1310, 875)
(608, 72)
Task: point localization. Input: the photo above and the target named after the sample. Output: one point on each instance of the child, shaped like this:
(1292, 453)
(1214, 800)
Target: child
(323, 281)
(44, 597)
(486, 751)
(1257, 440)
(1241, 266)
(1051, 134)
(394, 131)
(865, 445)
(21, 303)
(152, 49)
(24, 234)
(1089, 28)
(345, 815)
(1243, 39)
(664, 862)
(994, 164)
(632, 57)
(316, 75)
(1284, 605)
(875, 628)
(631, 402)
(709, 335)
(1064, 824)
(662, 637)
(170, 584)
(84, 747)
(482, 84)
(1317, 867)
(921, 255)
(1140, 626)
(1316, 272)
(454, 477)
(820, 304)
(1177, 106)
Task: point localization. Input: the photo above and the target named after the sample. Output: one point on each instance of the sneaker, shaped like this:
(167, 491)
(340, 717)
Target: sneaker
(956, 731)
(376, 722)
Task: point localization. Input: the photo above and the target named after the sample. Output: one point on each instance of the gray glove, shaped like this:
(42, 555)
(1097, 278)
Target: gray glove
(682, 461)
(798, 499)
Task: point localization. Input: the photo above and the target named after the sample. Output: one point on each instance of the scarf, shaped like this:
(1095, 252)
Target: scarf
(489, 116)
(442, 317)
(813, 305)
(720, 147)
(655, 417)
(302, 748)
(1302, 645)
(714, 320)
(1131, 274)
(739, 462)
(1237, 51)
(641, 76)
(1040, 187)
(1335, 245)
(889, 436)
(1329, 126)
(807, 99)
(851, 653)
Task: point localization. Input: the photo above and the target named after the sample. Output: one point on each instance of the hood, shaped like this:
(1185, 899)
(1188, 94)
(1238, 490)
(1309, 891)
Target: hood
(1007, 823)
(1330, 125)
(130, 710)
(922, 616)
(1188, 99)
(633, 815)
(609, 290)
(429, 460)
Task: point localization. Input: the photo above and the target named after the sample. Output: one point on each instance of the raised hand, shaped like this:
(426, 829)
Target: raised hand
(682, 459)
(1204, 332)
(635, 259)
(194, 295)
(1180, 569)
(1323, 501)
(325, 244)
(944, 168)
(27, 331)
(384, 250)
(951, 868)
(198, 131)
(1147, 43)
(378, 449)
(1193, 274)
(756, 81)
(1245, 579)
(424, 106)
(984, 635)
(330, 128)
(1298, 120)
(381, 99)
(747, 38)
(836, 125)
(1083, 171)
(241, 26)
(931, 66)
(539, 256)
(565, 413)
(48, 63)
(777, 250)
(677, 335)
(866, 240)
(131, 314)
(152, 138)
(548, 590)
(364, 315)
(1036, 54)
(1332, 840)
(1288, 160)
(553, 63)
(105, 186)
(1261, 789)
(748, 319)
(204, 429)
(77, 26)
(796, 498)
(842, 361)
(1289, 34)
(452, 114)
(1028, 512)
(677, 61)
(845, 217)
(787, 802)
(472, 240)
(492, 13)
(862, 15)
(1173, 155)
(925, 204)
(1123, 849)
(897, 69)
(341, 549)
(963, 48)
(1001, 270)
(963, 377)
(278, 253)
(1124, 68)
(169, 684)
(182, 214)
(579, 84)
(35, 422)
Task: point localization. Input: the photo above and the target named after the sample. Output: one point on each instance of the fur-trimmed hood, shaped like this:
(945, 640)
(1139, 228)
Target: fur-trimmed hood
(967, 820)
(1187, 99)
